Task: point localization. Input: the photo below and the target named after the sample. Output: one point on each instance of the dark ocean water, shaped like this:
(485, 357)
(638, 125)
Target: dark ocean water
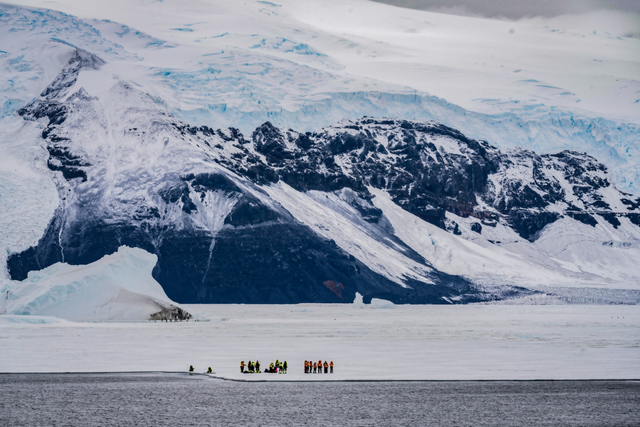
(183, 400)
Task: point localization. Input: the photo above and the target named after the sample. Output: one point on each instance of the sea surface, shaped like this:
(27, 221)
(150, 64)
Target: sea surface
(158, 399)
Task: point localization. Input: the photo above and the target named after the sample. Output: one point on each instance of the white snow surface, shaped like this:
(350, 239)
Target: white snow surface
(568, 253)
(118, 287)
(446, 342)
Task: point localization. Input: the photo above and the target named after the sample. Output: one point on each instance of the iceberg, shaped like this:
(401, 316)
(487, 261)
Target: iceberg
(381, 303)
(118, 287)
(357, 302)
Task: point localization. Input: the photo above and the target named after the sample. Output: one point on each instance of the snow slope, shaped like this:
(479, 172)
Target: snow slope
(568, 253)
(118, 287)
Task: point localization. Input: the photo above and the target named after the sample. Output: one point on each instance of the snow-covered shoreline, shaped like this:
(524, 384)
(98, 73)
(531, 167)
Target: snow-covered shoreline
(472, 342)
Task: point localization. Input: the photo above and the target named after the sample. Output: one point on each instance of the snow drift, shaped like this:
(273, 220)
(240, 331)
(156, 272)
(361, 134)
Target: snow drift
(117, 287)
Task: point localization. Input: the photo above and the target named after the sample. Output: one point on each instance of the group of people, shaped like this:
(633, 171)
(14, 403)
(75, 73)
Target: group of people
(317, 367)
(276, 367)
(209, 370)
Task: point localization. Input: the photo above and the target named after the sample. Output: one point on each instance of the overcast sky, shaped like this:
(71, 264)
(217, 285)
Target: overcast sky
(516, 9)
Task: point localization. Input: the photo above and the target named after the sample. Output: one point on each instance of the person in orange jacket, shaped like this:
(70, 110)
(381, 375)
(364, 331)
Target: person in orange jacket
(315, 367)
(306, 366)
(242, 366)
(331, 366)
(326, 367)
(319, 366)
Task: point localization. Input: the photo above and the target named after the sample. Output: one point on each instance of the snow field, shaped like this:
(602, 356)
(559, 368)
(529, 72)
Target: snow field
(404, 343)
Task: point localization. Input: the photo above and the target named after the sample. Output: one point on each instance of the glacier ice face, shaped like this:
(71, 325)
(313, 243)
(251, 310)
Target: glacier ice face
(118, 287)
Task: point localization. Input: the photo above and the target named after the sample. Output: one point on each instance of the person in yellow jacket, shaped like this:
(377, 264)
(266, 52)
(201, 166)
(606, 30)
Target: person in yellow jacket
(326, 367)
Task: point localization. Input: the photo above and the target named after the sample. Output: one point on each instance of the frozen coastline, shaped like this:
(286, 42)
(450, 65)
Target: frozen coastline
(472, 342)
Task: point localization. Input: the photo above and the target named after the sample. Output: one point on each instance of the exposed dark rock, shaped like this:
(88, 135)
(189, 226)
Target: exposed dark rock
(584, 218)
(611, 218)
(249, 211)
(171, 314)
(529, 223)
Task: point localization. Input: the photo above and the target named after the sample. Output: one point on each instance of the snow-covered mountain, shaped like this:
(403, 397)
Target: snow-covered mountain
(282, 216)
(108, 143)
